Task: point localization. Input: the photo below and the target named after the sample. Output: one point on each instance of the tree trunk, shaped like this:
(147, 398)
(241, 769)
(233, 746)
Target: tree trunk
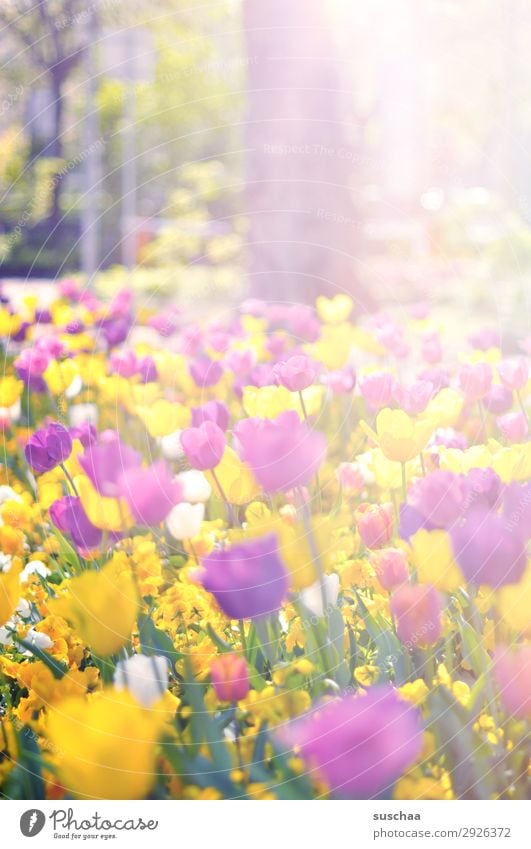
(302, 222)
(56, 146)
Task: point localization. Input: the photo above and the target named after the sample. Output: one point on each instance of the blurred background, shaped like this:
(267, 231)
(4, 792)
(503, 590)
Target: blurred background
(205, 152)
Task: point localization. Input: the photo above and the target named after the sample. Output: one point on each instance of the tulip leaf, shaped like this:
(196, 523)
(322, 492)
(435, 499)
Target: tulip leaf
(389, 648)
(154, 641)
(57, 668)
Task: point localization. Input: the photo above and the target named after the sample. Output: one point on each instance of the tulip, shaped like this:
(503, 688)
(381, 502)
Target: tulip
(400, 437)
(283, 454)
(184, 520)
(101, 606)
(440, 498)
(150, 492)
(48, 447)
(512, 674)
(350, 478)
(375, 524)
(9, 592)
(513, 373)
(30, 367)
(297, 373)
(312, 596)
(108, 745)
(212, 411)
(205, 372)
(475, 380)
(68, 516)
(195, 488)
(488, 550)
(248, 580)
(413, 399)
(105, 462)
(203, 445)
(434, 561)
(417, 610)
(498, 399)
(513, 426)
(391, 567)
(358, 744)
(377, 389)
(230, 677)
(431, 350)
(146, 678)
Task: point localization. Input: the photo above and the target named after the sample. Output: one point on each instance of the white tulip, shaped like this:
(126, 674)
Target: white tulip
(78, 414)
(312, 597)
(145, 677)
(195, 487)
(184, 520)
(171, 445)
(75, 387)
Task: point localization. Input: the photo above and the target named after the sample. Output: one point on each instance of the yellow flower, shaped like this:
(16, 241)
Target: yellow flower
(236, 479)
(164, 417)
(59, 376)
(399, 436)
(106, 745)
(268, 401)
(366, 675)
(334, 345)
(101, 606)
(444, 409)
(9, 591)
(109, 514)
(334, 310)
(414, 691)
(514, 603)
(10, 390)
(433, 557)
(9, 324)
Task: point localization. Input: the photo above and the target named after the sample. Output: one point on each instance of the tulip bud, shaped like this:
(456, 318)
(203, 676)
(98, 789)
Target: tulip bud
(375, 524)
(417, 609)
(475, 380)
(391, 567)
(230, 677)
(297, 373)
(513, 373)
(203, 445)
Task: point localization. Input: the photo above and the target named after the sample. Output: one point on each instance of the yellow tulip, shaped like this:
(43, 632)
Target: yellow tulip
(444, 409)
(10, 390)
(334, 346)
(268, 401)
(236, 479)
(101, 606)
(106, 744)
(59, 376)
(164, 417)
(400, 437)
(334, 310)
(514, 603)
(9, 592)
(108, 514)
(433, 557)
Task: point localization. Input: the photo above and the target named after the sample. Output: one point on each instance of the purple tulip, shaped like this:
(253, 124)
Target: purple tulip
(124, 363)
(30, 367)
(68, 516)
(411, 521)
(297, 373)
(517, 508)
(484, 488)
(147, 370)
(205, 372)
(86, 433)
(283, 453)
(150, 492)
(249, 580)
(359, 744)
(488, 549)
(212, 411)
(440, 498)
(105, 462)
(204, 445)
(498, 399)
(48, 447)
(377, 389)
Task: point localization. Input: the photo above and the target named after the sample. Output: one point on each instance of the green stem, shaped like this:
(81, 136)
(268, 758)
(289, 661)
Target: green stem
(69, 479)
(404, 482)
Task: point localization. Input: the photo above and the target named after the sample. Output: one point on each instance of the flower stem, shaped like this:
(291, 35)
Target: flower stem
(69, 479)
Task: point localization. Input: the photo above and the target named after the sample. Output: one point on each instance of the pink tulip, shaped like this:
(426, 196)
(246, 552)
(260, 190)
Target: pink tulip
(513, 373)
(230, 677)
(375, 524)
(417, 609)
(513, 426)
(391, 567)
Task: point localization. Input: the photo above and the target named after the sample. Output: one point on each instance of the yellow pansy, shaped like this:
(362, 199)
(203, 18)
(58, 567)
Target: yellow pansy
(9, 324)
(236, 479)
(101, 606)
(414, 691)
(10, 390)
(9, 591)
(433, 558)
(399, 436)
(164, 417)
(106, 745)
(108, 514)
(334, 310)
